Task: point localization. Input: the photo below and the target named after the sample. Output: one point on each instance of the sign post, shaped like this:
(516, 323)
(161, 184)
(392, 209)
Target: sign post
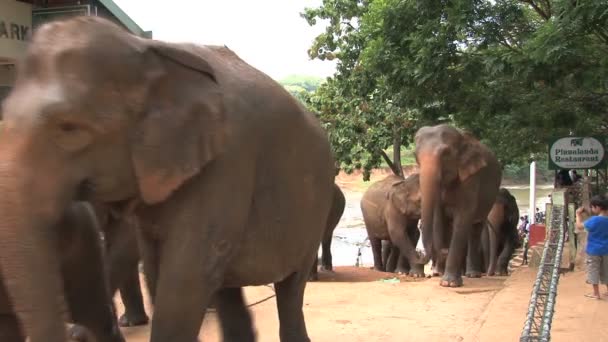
(532, 210)
(577, 153)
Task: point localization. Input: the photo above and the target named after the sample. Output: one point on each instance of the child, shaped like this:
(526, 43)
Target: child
(597, 243)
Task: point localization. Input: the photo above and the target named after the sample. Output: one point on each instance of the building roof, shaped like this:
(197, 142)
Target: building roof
(110, 5)
(125, 19)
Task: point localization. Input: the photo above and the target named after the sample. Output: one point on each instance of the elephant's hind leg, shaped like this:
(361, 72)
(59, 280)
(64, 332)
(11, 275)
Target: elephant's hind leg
(234, 317)
(290, 298)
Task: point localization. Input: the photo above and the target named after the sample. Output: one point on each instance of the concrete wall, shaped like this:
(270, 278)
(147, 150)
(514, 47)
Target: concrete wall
(7, 75)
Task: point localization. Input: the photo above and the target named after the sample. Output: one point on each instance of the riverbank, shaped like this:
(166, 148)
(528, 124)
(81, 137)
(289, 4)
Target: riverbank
(354, 181)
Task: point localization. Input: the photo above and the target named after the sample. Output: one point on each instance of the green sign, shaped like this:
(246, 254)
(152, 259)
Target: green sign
(577, 153)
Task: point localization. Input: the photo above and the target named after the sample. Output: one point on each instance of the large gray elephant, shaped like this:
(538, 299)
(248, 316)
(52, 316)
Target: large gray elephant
(88, 298)
(500, 237)
(337, 209)
(459, 181)
(230, 178)
(391, 211)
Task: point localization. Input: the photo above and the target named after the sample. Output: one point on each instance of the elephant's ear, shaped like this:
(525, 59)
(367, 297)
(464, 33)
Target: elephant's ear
(398, 197)
(182, 126)
(472, 158)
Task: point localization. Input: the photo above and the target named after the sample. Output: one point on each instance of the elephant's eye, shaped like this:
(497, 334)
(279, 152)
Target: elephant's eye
(67, 127)
(71, 136)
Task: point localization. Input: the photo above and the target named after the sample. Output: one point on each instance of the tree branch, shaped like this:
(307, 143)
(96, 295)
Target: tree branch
(537, 9)
(389, 162)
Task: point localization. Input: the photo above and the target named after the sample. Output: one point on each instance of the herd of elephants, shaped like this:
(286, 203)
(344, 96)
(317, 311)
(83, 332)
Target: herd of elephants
(116, 149)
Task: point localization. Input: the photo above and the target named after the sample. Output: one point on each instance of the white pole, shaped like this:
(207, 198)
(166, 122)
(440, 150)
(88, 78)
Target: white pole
(532, 210)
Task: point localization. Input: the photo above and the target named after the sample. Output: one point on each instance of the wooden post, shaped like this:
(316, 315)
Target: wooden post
(581, 235)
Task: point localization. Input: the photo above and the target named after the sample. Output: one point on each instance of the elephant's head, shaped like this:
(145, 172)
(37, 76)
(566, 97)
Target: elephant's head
(404, 196)
(447, 157)
(511, 214)
(96, 113)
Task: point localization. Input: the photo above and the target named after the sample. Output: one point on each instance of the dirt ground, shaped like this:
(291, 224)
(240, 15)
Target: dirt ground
(354, 304)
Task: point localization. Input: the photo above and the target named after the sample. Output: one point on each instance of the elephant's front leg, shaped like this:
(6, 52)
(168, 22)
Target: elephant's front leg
(193, 236)
(390, 254)
(452, 277)
(401, 237)
(377, 252)
(132, 298)
(505, 257)
(405, 265)
(474, 255)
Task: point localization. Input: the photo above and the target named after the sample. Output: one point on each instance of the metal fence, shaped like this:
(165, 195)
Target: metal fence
(542, 301)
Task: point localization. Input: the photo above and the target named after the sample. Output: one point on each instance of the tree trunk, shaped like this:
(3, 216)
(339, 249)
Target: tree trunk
(397, 152)
(395, 164)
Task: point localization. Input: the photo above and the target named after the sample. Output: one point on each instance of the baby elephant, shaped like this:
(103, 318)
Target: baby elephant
(391, 211)
(336, 211)
(86, 287)
(499, 236)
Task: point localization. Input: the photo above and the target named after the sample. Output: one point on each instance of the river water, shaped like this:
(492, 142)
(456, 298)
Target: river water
(350, 245)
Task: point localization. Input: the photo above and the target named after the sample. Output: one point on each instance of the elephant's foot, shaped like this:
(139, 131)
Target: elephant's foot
(379, 268)
(417, 271)
(313, 277)
(78, 333)
(502, 273)
(451, 281)
(473, 274)
(327, 268)
(401, 270)
(133, 320)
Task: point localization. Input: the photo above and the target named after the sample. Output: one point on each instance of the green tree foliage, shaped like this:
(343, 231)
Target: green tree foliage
(513, 72)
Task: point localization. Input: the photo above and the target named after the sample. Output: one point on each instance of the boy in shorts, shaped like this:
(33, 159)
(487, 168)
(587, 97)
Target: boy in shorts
(597, 242)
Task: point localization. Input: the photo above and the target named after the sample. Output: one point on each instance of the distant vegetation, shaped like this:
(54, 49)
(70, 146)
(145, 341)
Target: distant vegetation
(301, 83)
(302, 86)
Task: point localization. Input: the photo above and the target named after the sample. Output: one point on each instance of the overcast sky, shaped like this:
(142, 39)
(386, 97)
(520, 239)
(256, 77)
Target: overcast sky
(268, 34)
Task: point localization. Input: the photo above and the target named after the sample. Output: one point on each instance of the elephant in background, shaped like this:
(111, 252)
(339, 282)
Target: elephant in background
(230, 177)
(122, 261)
(459, 181)
(391, 211)
(500, 236)
(337, 209)
(88, 299)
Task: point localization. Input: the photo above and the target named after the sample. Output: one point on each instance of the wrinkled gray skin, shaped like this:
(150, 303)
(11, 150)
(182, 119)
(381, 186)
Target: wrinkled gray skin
(391, 211)
(87, 294)
(231, 178)
(500, 237)
(337, 209)
(459, 181)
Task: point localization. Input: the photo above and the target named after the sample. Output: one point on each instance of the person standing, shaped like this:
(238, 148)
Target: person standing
(597, 242)
(526, 237)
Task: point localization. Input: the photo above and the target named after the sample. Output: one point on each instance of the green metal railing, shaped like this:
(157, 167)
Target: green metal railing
(544, 292)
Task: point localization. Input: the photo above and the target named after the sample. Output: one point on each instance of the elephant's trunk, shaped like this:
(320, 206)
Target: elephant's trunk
(430, 190)
(28, 250)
